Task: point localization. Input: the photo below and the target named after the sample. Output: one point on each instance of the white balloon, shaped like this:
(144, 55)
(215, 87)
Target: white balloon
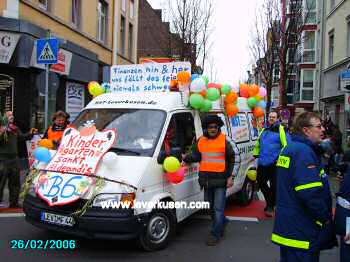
(197, 85)
(109, 159)
(242, 103)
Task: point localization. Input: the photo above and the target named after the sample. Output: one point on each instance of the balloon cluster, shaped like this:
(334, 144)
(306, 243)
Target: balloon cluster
(95, 89)
(203, 94)
(174, 172)
(255, 98)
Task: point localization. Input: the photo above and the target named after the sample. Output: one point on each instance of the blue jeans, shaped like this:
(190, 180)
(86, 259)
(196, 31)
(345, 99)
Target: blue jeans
(217, 199)
(293, 255)
(344, 250)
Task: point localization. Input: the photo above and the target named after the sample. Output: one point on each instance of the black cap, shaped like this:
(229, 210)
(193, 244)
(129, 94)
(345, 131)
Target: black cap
(212, 119)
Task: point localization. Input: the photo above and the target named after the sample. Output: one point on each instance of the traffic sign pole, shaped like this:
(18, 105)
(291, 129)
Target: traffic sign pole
(47, 67)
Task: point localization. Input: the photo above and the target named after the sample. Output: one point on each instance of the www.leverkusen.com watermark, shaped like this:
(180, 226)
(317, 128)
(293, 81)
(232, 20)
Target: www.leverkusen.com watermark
(112, 204)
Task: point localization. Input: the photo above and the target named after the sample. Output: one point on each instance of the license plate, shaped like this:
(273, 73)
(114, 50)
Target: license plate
(57, 219)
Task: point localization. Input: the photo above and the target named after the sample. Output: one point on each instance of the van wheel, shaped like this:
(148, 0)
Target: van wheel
(159, 230)
(247, 192)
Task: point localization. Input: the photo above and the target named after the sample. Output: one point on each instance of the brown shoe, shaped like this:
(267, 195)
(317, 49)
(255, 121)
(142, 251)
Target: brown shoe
(212, 240)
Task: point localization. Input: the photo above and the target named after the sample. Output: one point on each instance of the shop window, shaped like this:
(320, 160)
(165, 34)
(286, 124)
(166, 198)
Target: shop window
(122, 35)
(44, 4)
(310, 12)
(76, 12)
(131, 41)
(123, 5)
(102, 21)
(330, 48)
(309, 46)
(307, 88)
(131, 9)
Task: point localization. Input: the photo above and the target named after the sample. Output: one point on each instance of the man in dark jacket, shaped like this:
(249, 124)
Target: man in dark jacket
(303, 224)
(268, 146)
(9, 135)
(216, 158)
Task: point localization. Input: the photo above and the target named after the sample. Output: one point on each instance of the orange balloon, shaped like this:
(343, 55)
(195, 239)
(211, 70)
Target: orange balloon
(47, 143)
(231, 97)
(244, 91)
(258, 112)
(253, 90)
(184, 77)
(231, 110)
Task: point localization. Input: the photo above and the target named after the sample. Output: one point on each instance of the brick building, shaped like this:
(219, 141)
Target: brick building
(155, 38)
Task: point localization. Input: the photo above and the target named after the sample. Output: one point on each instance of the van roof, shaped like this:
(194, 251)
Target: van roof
(166, 101)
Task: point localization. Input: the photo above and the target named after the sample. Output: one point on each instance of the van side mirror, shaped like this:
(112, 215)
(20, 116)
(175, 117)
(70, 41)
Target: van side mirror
(176, 152)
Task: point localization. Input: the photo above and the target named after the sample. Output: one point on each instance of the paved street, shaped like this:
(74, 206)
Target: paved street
(244, 241)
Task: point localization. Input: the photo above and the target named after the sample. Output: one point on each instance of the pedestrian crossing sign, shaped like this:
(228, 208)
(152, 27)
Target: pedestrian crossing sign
(47, 51)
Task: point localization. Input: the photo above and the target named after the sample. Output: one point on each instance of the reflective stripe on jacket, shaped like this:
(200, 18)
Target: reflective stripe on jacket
(213, 153)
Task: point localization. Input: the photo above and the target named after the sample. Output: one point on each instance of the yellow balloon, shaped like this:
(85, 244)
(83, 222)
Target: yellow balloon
(251, 174)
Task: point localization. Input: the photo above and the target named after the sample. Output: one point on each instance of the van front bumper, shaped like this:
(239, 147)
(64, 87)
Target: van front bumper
(96, 223)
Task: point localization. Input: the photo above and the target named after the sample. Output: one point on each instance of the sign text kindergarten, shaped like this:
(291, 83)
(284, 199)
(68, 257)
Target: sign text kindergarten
(145, 77)
(80, 152)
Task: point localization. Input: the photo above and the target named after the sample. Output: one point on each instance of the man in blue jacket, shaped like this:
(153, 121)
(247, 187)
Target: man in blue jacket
(341, 214)
(268, 146)
(303, 224)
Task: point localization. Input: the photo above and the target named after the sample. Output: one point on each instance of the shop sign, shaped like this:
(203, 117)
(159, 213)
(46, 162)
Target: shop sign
(8, 43)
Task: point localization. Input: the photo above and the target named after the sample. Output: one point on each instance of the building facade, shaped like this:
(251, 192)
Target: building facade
(156, 42)
(336, 58)
(91, 38)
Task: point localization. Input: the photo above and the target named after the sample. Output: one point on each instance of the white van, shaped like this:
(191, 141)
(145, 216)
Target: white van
(142, 121)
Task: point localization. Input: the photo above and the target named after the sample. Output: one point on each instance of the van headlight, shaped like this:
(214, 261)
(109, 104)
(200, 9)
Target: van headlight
(125, 200)
(103, 200)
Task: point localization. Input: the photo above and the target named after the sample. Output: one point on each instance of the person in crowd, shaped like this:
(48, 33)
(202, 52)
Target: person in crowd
(341, 214)
(268, 146)
(9, 162)
(303, 224)
(216, 157)
(55, 132)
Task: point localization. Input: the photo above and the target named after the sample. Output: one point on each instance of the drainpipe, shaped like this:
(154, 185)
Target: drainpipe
(322, 53)
(115, 32)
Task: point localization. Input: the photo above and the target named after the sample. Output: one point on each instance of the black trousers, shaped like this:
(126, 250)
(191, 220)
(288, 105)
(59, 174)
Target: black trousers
(267, 174)
(9, 171)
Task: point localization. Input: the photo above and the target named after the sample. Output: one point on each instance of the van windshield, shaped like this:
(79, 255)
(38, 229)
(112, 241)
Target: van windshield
(138, 130)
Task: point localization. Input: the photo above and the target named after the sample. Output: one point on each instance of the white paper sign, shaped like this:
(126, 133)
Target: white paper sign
(61, 189)
(81, 151)
(145, 77)
(74, 99)
(8, 43)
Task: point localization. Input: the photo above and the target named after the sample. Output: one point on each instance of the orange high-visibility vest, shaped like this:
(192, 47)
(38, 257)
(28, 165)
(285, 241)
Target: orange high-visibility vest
(54, 135)
(213, 153)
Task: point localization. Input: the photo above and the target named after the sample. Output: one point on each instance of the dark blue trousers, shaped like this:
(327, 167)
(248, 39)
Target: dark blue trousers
(289, 255)
(344, 251)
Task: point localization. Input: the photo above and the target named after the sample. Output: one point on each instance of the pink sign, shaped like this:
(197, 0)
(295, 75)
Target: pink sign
(80, 152)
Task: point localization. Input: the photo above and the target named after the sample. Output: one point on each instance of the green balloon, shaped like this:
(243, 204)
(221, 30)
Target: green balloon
(171, 164)
(226, 89)
(213, 94)
(196, 101)
(206, 80)
(207, 106)
(252, 102)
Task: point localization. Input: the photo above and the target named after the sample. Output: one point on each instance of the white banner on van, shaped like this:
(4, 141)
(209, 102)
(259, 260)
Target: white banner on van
(145, 77)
